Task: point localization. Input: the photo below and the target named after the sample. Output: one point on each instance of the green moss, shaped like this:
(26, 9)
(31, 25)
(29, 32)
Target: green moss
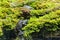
(46, 13)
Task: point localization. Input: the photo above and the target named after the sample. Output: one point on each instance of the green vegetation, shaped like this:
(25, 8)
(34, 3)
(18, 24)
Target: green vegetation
(46, 14)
